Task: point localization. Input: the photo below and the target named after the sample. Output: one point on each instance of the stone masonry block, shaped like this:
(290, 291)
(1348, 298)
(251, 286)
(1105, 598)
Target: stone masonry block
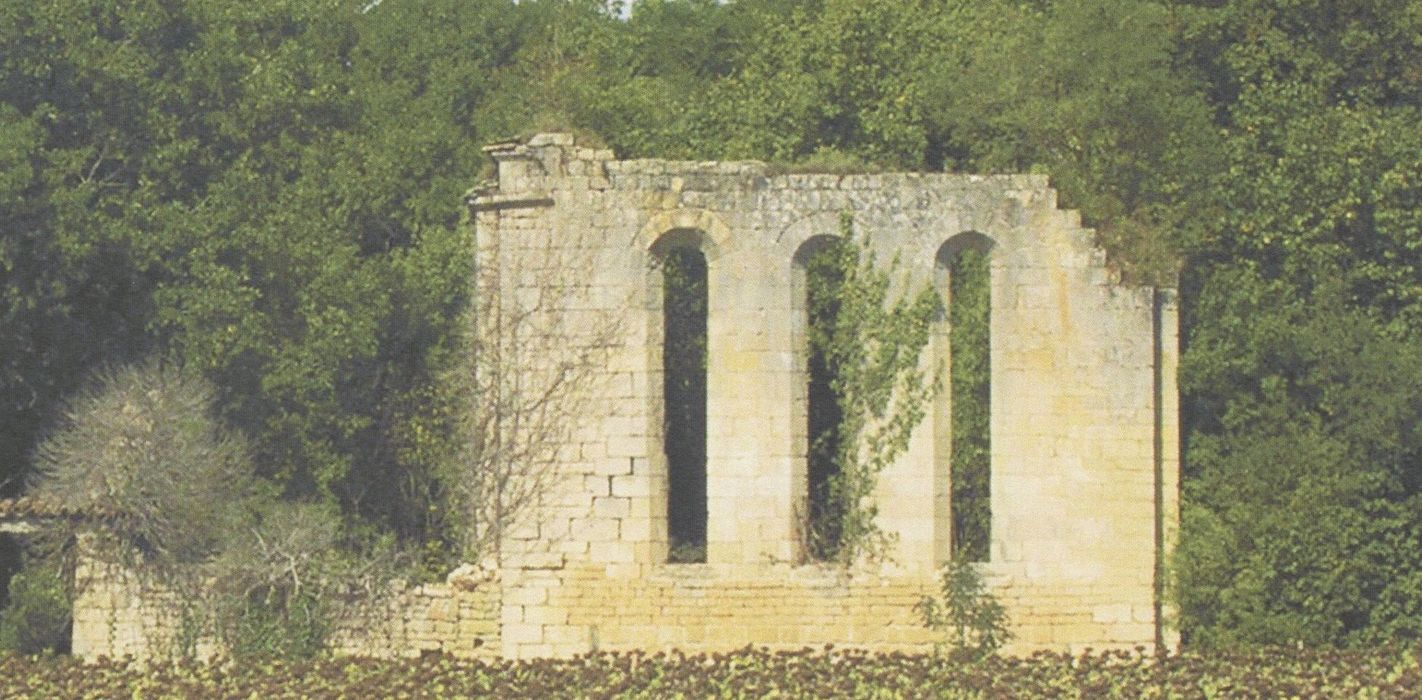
(631, 486)
(595, 529)
(522, 633)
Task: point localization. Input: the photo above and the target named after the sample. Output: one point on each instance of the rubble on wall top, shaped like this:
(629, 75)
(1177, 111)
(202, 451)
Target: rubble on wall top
(555, 138)
(571, 151)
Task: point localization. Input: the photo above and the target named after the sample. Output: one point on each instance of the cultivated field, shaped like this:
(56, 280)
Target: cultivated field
(824, 674)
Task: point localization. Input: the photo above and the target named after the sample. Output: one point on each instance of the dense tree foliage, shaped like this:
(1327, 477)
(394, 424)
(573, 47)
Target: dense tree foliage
(269, 192)
(1301, 374)
(266, 192)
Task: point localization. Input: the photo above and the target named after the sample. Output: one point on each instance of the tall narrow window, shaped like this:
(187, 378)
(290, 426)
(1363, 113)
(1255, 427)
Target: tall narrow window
(970, 393)
(825, 268)
(684, 390)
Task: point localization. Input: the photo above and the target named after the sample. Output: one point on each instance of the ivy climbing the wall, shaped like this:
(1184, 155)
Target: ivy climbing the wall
(867, 330)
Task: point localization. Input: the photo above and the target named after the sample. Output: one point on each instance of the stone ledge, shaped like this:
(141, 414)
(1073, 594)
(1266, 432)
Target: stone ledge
(496, 202)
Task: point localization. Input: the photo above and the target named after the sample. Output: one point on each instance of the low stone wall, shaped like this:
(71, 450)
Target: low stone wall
(430, 618)
(581, 608)
(702, 607)
(116, 615)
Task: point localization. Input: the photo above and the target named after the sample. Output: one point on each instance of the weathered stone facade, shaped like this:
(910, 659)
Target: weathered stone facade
(1085, 456)
(1083, 424)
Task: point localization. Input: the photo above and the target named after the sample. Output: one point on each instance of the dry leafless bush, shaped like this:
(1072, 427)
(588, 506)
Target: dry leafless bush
(142, 442)
(537, 346)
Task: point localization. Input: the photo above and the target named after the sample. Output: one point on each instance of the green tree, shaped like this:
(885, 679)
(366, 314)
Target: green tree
(835, 75)
(269, 192)
(1301, 489)
(78, 175)
(1301, 510)
(1090, 93)
(37, 616)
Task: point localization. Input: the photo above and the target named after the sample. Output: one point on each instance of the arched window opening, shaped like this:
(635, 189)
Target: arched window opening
(825, 264)
(684, 308)
(969, 307)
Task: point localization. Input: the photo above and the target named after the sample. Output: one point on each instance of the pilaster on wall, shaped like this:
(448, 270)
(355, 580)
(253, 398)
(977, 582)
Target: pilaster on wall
(1167, 435)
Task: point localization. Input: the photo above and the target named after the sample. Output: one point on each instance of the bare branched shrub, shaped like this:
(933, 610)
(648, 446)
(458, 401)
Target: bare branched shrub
(537, 344)
(282, 586)
(141, 442)
(199, 531)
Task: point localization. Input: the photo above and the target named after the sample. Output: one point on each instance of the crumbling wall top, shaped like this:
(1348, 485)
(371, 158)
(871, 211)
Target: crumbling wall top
(520, 164)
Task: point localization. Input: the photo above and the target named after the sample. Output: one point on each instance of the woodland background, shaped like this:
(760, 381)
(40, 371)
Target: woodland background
(269, 193)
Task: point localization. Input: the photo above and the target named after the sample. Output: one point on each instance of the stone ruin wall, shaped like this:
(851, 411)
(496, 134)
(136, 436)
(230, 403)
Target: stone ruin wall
(1083, 422)
(1085, 456)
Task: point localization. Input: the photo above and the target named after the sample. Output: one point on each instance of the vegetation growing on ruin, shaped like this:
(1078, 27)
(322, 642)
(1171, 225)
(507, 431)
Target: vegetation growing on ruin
(269, 193)
(867, 391)
(971, 619)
